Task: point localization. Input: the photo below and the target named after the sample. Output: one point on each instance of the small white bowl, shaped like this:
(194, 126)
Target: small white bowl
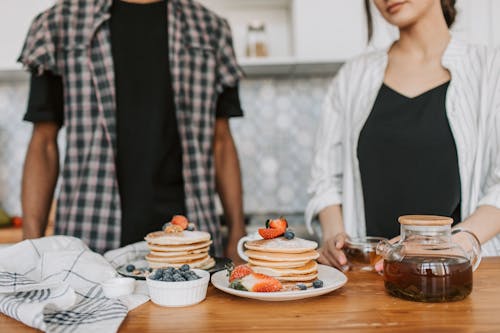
(176, 294)
(118, 286)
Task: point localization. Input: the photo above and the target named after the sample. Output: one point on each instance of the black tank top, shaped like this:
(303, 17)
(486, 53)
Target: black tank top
(408, 160)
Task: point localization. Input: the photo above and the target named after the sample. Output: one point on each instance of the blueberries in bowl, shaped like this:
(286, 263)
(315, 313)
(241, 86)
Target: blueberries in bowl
(171, 274)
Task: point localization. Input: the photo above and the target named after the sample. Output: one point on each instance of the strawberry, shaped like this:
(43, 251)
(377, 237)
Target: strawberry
(181, 221)
(279, 223)
(255, 282)
(240, 272)
(265, 284)
(270, 233)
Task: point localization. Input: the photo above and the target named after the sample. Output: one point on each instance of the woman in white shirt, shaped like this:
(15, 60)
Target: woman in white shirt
(414, 129)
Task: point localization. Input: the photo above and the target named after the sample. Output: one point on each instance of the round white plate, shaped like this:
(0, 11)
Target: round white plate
(331, 277)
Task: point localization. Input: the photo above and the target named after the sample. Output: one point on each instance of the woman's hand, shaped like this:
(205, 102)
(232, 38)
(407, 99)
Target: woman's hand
(332, 254)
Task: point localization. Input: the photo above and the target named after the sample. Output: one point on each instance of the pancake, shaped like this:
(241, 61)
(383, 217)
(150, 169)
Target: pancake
(308, 268)
(275, 256)
(203, 263)
(177, 238)
(277, 264)
(298, 278)
(282, 245)
(179, 248)
(178, 254)
(292, 285)
(179, 259)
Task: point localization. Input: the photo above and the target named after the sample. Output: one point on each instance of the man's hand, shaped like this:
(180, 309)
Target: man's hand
(332, 254)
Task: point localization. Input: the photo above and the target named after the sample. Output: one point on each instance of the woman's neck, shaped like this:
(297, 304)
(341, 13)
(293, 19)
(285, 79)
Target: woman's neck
(426, 38)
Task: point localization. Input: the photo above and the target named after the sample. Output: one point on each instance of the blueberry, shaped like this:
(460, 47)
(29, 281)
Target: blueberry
(156, 275)
(318, 284)
(149, 269)
(130, 268)
(191, 227)
(289, 234)
(170, 270)
(301, 286)
(184, 268)
(165, 226)
(178, 277)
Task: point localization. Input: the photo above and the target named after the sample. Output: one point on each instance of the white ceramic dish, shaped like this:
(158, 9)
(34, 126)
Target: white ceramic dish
(119, 286)
(331, 277)
(176, 294)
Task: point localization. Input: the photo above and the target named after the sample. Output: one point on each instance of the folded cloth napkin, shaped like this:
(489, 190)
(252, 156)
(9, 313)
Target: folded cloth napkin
(54, 284)
(127, 254)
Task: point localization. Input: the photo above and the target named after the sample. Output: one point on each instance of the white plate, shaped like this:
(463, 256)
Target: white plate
(331, 277)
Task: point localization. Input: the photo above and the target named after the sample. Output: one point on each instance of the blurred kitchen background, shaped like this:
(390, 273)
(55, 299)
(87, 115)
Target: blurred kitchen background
(289, 49)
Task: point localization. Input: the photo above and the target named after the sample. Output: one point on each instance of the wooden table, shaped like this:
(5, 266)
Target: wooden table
(360, 306)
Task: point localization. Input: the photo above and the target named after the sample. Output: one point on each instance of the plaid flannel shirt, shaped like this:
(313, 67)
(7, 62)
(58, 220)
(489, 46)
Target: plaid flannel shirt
(72, 39)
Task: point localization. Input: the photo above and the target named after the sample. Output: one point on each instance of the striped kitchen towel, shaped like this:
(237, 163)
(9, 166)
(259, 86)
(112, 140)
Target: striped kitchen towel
(54, 284)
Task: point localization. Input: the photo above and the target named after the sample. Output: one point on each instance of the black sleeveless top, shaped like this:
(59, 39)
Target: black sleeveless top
(408, 160)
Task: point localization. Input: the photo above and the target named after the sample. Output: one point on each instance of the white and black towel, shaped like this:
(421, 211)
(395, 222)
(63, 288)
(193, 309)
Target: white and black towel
(53, 284)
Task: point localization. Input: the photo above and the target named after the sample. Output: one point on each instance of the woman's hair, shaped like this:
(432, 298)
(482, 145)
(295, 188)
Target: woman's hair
(448, 6)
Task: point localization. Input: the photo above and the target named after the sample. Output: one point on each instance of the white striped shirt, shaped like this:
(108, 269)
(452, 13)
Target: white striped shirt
(472, 106)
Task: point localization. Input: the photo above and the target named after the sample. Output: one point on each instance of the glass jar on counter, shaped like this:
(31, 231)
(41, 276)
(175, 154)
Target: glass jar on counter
(257, 40)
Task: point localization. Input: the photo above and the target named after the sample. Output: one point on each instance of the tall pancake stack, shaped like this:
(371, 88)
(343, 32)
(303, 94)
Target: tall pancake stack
(175, 249)
(291, 261)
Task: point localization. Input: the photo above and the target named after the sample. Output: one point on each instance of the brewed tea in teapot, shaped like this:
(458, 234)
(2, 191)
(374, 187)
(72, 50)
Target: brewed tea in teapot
(426, 265)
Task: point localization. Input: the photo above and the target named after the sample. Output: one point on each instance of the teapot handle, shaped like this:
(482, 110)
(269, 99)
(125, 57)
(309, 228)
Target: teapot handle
(475, 251)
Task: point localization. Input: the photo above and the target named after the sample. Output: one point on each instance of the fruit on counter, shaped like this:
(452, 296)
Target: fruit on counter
(17, 221)
(170, 228)
(171, 274)
(274, 228)
(239, 272)
(181, 221)
(270, 233)
(279, 223)
(318, 284)
(289, 234)
(4, 218)
(301, 286)
(256, 282)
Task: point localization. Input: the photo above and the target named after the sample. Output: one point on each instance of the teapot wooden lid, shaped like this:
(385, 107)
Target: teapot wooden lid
(425, 220)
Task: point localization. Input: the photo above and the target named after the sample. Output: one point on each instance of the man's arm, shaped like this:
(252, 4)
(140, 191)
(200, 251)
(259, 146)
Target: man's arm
(41, 169)
(228, 181)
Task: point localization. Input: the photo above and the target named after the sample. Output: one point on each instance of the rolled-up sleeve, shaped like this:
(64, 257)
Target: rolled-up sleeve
(38, 53)
(228, 71)
(325, 188)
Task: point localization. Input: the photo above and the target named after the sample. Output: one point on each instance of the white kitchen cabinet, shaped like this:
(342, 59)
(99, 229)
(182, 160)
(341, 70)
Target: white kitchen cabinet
(16, 16)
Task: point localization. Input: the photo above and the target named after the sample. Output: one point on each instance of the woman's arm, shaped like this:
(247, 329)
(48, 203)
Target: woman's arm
(484, 223)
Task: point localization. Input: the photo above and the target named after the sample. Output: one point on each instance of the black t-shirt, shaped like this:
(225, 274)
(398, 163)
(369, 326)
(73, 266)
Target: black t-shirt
(408, 160)
(149, 152)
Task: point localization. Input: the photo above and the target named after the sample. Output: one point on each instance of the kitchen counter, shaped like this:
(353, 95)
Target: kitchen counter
(360, 306)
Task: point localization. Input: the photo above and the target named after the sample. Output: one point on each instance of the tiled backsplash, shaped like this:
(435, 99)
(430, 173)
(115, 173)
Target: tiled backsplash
(274, 140)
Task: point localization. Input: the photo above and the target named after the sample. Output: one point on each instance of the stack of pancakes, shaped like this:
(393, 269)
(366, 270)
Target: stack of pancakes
(179, 248)
(289, 261)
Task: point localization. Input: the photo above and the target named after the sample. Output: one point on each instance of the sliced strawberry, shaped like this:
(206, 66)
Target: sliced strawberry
(181, 221)
(265, 284)
(270, 233)
(240, 272)
(279, 223)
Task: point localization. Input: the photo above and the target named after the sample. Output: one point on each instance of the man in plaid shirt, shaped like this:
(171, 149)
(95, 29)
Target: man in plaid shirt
(144, 89)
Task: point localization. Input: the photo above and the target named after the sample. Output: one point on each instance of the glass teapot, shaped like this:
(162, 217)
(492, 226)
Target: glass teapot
(425, 264)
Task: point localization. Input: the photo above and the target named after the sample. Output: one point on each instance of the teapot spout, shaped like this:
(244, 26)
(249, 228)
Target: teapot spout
(389, 251)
